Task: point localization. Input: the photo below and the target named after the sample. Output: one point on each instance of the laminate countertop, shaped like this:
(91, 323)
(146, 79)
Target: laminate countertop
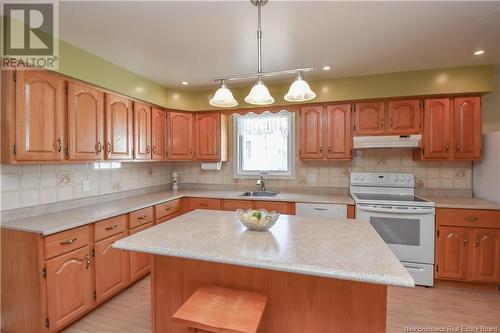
(341, 249)
(463, 203)
(51, 223)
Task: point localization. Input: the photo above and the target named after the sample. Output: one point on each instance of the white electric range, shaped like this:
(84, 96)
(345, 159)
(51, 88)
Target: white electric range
(403, 220)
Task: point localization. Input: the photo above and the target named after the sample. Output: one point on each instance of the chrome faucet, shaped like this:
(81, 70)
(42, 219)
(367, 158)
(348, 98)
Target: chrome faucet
(262, 183)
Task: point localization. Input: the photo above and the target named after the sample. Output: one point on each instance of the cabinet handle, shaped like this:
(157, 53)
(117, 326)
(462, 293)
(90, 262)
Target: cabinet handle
(382, 123)
(109, 148)
(471, 218)
(59, 145)
(142, 217)
(477, 242)
(167, 209)
(88, 261)
(466, 241)
(111, 227)
(98, 148)
(69, 241)
(203, 204)
(148, 149)
(320, 209)
(458, 147)
(390, 123)
(321, 148)
(154, 149)
(329, 149)
(447, 147)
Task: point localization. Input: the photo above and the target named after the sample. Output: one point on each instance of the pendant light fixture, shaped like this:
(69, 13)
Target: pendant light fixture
(259, 94)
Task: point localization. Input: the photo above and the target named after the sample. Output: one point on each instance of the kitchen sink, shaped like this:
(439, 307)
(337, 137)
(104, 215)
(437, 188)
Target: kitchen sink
(259, 194)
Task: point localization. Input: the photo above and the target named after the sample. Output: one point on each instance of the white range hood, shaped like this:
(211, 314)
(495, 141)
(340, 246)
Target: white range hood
(387, 141)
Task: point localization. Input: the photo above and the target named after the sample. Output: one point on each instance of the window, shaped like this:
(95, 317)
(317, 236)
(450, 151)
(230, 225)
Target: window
(264, 144)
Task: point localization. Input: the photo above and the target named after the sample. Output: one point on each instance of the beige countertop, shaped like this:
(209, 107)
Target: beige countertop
(341, 249)
(463, 202)
(71, 218)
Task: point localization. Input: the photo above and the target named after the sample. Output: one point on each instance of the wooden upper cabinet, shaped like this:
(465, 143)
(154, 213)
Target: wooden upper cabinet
(142, 131)
(179, 136)
(111, 268)
(403, 116)
(486, 255)
(311, 132)
(69, 287)
(369, 118)
(452, 251)
(338, 132)
(85, 122)
(158, 129)
(467, 115)
(39, 125)
(210, 142)
(437, 139)
(119, 128)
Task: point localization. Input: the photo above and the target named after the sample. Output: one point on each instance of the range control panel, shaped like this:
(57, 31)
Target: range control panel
(382, 179)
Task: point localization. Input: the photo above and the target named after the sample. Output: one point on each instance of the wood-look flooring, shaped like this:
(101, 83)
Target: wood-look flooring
(447, 304)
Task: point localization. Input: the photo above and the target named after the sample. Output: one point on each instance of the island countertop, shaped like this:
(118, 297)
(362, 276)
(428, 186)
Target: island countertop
(339, 249)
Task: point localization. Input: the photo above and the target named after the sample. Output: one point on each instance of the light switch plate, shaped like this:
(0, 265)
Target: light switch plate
(85, 186)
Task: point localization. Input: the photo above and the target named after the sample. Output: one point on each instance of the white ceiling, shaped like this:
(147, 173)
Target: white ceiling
(170, 42)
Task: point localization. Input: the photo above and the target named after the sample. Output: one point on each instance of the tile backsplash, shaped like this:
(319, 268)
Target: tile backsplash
(36, 184)
(442, 175)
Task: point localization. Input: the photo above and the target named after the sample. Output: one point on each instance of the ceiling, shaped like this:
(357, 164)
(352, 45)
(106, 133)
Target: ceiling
(169, 42)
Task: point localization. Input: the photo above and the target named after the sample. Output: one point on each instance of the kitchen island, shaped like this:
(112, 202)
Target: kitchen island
(320, 275)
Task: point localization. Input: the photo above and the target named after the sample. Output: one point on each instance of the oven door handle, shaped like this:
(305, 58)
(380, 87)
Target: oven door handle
(397, 211)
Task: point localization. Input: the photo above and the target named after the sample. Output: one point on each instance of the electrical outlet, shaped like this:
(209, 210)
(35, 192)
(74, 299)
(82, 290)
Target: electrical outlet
(312, 178)
(86, 186)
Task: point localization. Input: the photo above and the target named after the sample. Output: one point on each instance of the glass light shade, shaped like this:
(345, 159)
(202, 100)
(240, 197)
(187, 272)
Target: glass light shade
(223, 98)
(299, 91)
(259, 95)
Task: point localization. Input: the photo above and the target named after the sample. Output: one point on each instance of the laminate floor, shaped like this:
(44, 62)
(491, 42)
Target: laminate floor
(448, 306)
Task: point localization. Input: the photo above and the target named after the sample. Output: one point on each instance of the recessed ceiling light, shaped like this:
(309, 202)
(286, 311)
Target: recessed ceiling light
(184, 83)
(327, 68)
(479, 52)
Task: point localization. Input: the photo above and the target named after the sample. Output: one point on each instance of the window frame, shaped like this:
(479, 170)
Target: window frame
(240, 174)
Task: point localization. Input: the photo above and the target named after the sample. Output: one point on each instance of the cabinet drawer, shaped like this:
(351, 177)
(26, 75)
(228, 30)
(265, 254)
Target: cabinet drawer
(110, 227)
(236, 204)
(468, 218)
(201, 203)
(277, 206)
(331, 211)
(140, 217)
(167, 208)
(168, 218)
(67, 241)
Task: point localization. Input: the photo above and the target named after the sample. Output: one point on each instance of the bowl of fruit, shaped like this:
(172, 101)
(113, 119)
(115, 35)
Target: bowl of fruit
(257, 220)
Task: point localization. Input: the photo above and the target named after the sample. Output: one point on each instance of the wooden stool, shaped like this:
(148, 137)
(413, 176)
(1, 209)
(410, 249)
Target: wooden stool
(216, 309)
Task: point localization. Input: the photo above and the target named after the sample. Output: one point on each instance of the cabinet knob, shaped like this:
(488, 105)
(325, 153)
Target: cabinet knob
(321, 148)
(471, 218)
(458, 147)
(447, 147)
(109, 148)
(477, 242)
(59, 145)
(148, 149)
(466, 241)
(98, 148)
(111, 227)
(69, 241)
(88, 261)
(382, 123)
(154, 149)
(390, 123)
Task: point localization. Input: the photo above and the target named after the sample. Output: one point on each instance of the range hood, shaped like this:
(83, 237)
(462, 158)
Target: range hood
(387, 141)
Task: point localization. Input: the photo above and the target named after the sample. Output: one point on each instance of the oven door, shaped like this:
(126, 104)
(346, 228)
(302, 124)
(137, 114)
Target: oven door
(408, 231)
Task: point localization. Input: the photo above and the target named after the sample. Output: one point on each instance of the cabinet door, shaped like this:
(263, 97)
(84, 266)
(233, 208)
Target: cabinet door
(142, 131)
(404, 116)
(140, 263)
(452, 252)
(467, 114)
(180, 136)
(39, 116)
(437, 129)
(119, 128)
(486, 255)
(311, 132)
(207, 136)
(111, 268)
(338, 132)
(158, 124)
(277, 206)
(69, 287)
(369, 118)
(85, 122)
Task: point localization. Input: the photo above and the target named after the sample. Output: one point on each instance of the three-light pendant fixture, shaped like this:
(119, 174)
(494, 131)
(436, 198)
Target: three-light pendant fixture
(259, 94)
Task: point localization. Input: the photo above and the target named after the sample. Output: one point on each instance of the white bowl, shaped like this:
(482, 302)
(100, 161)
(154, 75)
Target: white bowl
(267, 220)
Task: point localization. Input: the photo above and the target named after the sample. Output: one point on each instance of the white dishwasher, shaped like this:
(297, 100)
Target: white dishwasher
(321, 210)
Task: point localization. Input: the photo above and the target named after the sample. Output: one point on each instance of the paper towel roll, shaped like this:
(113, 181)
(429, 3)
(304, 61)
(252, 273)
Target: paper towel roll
(211, 166)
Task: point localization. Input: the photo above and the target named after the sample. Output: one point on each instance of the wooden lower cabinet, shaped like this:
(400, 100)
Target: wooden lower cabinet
(465, 249)
(140, 263)
(69, 287)
(277, 206)
(232, 205)
(111, 268)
